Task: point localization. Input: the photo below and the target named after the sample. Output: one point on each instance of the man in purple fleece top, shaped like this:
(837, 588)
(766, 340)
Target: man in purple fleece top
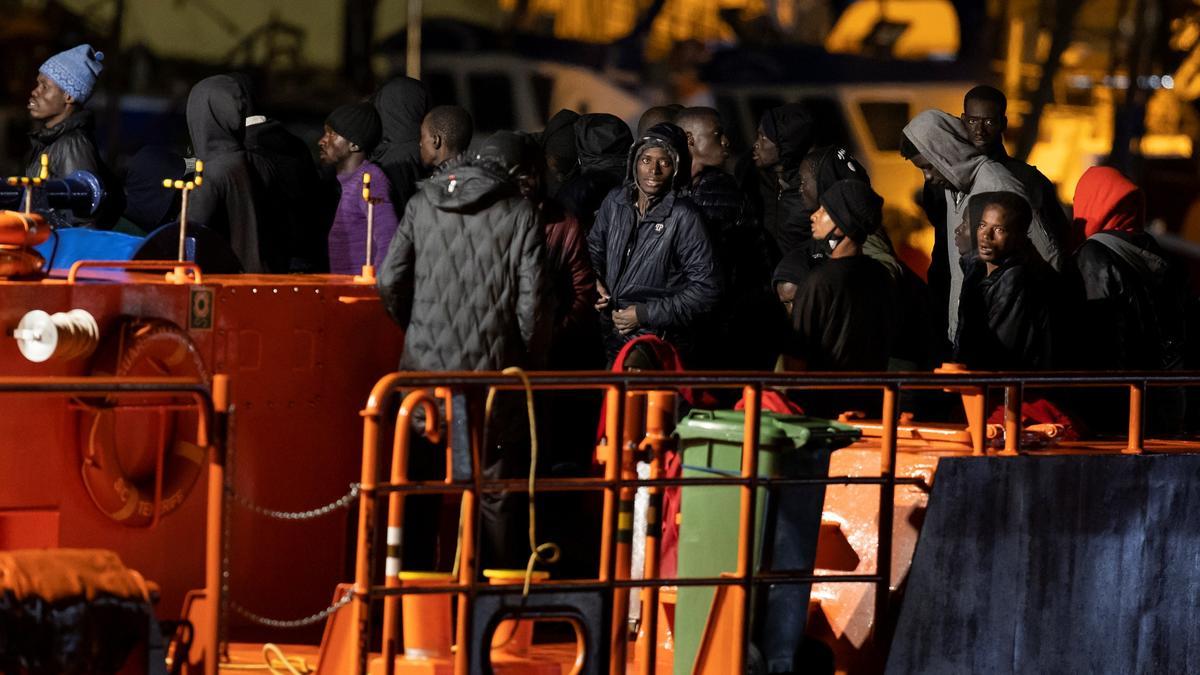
(351, 132)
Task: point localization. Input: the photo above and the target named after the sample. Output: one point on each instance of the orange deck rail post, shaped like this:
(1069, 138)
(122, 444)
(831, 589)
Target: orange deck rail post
(660, 408)
(360, 614)
(887, 497)
(752, 397)
(633, 431)
(215, 524)
(1137, 412)
(1013, 396)
(395, 515)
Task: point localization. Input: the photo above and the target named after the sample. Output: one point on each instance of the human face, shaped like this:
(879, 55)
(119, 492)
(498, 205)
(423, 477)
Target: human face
(765, 152)
(528, 183)
(998, 239)
(808, 185)
(985, 124)
(932, 175)
(823, 226)
(786, 292)
(710, 147)
(48, 103)
(334, 147)
(962, 234)
(654, 171)
(428, 146)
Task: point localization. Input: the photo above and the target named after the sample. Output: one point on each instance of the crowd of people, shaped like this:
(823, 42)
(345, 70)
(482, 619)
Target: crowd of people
(587, 246)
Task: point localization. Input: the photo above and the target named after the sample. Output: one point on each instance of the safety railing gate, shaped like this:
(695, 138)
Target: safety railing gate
(435, 393)
(212, 403)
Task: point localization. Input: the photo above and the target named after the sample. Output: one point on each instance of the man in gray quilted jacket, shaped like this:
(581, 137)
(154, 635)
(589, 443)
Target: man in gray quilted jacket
(465, 276)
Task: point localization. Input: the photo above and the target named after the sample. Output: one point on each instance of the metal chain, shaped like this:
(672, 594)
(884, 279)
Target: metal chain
(340, 503)
(293, 623)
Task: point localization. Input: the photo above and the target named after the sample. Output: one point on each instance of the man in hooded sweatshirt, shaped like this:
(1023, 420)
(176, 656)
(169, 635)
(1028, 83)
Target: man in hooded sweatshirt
(650, 249)
(785, 135)
(297, 217)
(602, 143)
(465, 277)
(561, 158)
(1134, 296)
(227, 201)
(939, 145)
(64, 129)
(401, 103)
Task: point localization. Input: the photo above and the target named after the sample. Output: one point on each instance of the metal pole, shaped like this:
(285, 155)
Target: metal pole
(1137, 412)
(412, 59)
(751, 395)
(214, 548)
(1012, 419)
(887, 495)
(361, 605)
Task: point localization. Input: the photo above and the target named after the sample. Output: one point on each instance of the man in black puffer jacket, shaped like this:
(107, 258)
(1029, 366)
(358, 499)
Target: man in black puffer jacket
(650, 250)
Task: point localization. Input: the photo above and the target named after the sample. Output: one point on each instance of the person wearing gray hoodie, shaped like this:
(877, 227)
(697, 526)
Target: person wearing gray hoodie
(225, 203)
(939, 144)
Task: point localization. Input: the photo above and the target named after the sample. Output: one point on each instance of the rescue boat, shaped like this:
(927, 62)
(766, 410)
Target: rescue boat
(235, 448)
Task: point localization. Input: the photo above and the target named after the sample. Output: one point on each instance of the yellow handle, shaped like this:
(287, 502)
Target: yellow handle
(45, 172)
(366, 187)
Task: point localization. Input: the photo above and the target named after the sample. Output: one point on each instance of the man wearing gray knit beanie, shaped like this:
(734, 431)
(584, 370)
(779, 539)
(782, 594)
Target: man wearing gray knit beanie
(63, 128)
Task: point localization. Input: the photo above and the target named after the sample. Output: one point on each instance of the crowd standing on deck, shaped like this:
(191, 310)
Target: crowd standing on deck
(561, 248)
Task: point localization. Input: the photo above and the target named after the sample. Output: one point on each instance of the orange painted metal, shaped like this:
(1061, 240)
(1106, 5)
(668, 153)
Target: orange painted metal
(634, 431)
(1012, 419)
(395, 517)
(751, 399)
(178, 270)
(660, 420)
(215, 524)
(428, 631)
(1137, 410)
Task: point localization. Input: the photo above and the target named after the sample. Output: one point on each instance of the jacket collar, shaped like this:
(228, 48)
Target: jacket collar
(658, 211)
(79, 120)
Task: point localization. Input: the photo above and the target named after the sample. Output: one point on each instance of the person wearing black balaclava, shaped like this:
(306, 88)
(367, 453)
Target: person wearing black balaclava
(602, 142)
(785, 135)
(842, 312)
(558, 148)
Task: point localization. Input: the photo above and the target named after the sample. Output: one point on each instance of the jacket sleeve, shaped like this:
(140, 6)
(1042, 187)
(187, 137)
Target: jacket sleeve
(73, 153)
(396, 272)
(694, 253)
(534, 311)
(597, 243)
(583, 280)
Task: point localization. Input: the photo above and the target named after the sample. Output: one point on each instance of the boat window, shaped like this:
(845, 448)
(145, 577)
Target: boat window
(886, 120)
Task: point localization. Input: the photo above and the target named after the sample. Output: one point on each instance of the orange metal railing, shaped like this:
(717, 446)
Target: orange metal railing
(628, 396)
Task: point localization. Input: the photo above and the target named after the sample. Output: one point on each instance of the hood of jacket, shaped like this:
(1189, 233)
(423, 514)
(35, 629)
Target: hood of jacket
(942, 139)
(216, 116)
(468, 186)
(1107, 201)
(602, 141)
(791, 127)
(672, 138)
(401, 103)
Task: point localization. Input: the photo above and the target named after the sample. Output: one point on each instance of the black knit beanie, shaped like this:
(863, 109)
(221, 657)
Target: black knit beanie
(358, 123)
(854, 208)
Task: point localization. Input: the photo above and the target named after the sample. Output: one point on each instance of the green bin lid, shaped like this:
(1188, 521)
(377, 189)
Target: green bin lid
(776, 429)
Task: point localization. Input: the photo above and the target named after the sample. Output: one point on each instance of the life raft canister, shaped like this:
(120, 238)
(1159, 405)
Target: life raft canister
(120, 438)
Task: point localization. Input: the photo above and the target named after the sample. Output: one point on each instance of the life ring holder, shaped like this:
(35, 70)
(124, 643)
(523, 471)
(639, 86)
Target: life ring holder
(141, 347)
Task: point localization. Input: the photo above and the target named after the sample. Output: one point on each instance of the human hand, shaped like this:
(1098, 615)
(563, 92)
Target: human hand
(626, 320)
(603, 299)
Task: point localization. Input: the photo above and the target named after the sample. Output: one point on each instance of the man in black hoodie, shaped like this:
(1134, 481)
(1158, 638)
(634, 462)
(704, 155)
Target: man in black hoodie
(785, 135)
(401, 103)
(602, 142)
(226, 202)
(650, 250)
